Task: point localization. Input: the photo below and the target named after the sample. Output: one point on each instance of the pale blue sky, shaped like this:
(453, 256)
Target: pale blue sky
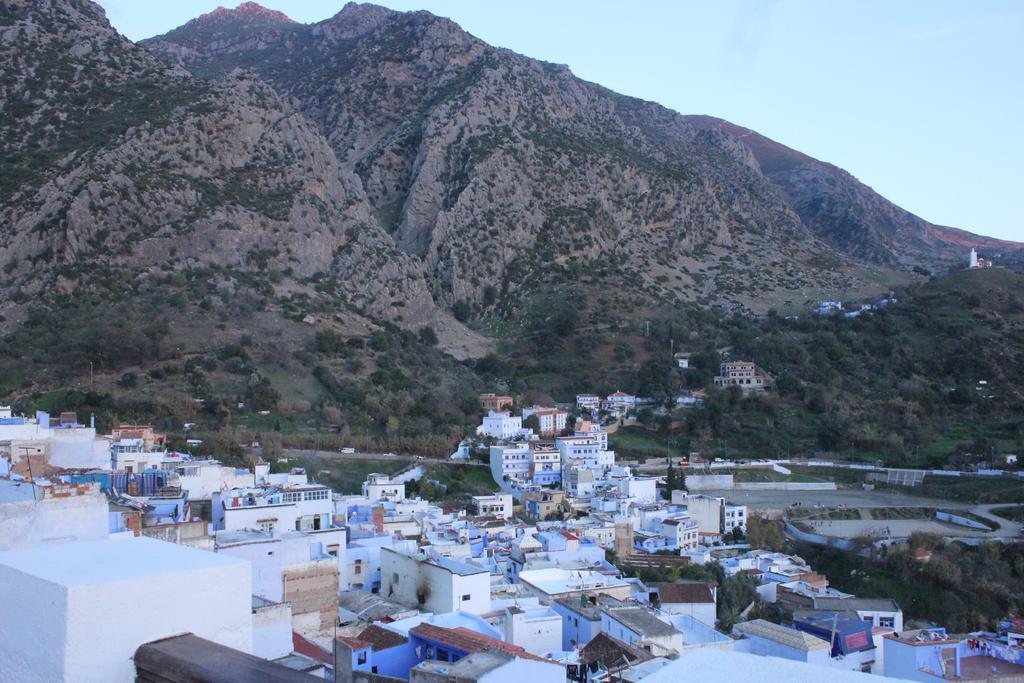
(921, 99)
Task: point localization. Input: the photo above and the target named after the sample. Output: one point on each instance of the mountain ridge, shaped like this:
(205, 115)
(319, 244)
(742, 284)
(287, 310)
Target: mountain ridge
(834, 205)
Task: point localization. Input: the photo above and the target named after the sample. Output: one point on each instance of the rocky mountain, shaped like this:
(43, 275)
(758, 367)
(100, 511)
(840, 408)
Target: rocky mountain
(849, 214)
(487, 164)
(127, 175)
(494, 169)
(382, 167)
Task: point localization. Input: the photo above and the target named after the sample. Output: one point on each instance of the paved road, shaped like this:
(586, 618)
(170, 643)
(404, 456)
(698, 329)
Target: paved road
(856, 498)
(335, 455)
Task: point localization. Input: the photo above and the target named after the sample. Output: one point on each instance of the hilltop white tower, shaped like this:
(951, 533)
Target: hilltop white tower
(972, 261)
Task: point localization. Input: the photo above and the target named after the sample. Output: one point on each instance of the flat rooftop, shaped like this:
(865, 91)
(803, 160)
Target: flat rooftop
(985, 668)
(790, 637)
(82, 563)
(710, 665)
(641, 621)
(554, 581)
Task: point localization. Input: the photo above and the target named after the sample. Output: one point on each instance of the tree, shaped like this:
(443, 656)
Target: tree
(671, 480)
(765, 533)
(271, 445)
(532, 422)
(327, 341)
(462, 310)
(428, 336)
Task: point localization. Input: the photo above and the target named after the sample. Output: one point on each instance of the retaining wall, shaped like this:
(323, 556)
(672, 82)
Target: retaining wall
(962, 521)
(817, 539)
(785, 486)
(703, 482)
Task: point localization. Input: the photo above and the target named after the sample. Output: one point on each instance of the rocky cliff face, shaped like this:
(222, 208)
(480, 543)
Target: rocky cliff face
(850, 215)
(493, 168)
(391, 166)
(156, 173)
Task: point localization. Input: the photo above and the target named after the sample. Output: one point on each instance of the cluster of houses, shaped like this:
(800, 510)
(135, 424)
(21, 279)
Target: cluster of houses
(838, 308)
(263, 575)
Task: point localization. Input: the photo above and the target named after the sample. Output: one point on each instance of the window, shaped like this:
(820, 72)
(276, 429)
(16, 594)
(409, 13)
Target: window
(292, 497)
(267, 525)
(466, 597)
(358, 567)
(887, 622)
(394, 578)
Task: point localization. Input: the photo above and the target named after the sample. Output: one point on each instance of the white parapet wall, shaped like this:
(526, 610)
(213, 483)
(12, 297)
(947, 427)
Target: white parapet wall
(961, 521)
(77, 611)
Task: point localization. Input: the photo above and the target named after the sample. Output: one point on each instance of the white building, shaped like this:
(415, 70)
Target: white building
(634, 624)
(362, 560)
(533, 627)
(545, 465)
(437, 585)
(129, 455)
(380, 487)
(501, 425)
(578, 482)
(551, 583)
(551, 420)
(713, 514)
(303, 569)
(71, 611)
(301, 507)
(64, 442)
(202, 478)
(643, 489)
(498, 505)
(34, 514)
(511, 463)
(594, 430)
(271, 628)
(588, 402)
(620, 403)
(584, 451)
(682, 534)
(733, 517)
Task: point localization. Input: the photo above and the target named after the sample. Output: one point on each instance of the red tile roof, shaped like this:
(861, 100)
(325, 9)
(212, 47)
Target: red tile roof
(470, 641)
(310, 649)
(381, 638)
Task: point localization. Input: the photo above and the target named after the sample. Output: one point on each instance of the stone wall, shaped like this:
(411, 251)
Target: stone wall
(313, 588)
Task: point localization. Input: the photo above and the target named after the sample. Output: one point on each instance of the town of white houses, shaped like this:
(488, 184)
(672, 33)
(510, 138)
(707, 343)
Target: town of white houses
(372, 343)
